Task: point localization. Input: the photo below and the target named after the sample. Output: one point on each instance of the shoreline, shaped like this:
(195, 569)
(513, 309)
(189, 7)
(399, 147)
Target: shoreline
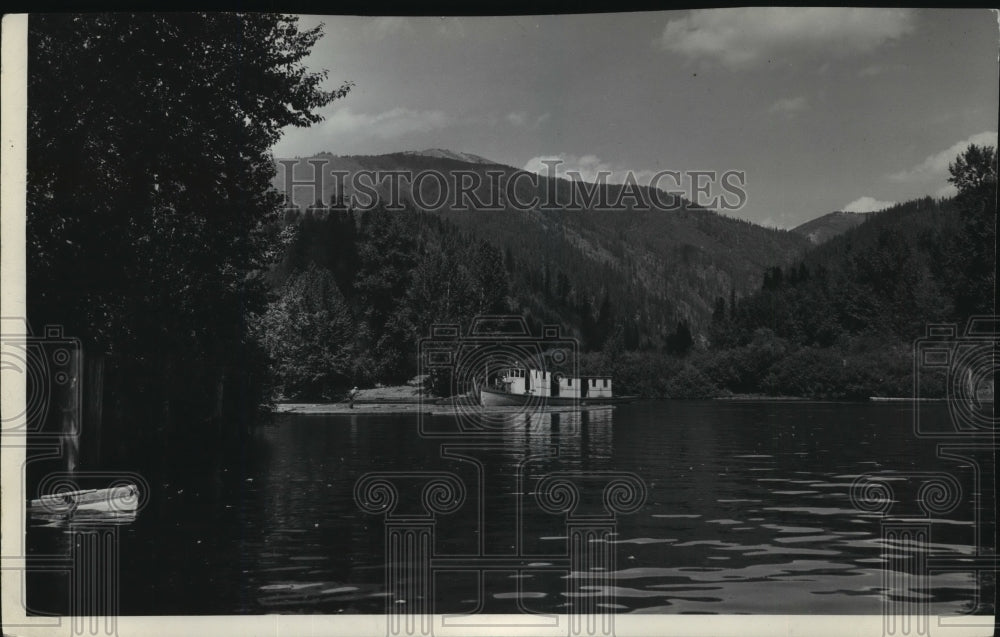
(407, 399)
(761, 398)
(429, 408)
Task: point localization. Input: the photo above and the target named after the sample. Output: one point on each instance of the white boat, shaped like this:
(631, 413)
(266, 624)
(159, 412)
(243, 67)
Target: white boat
(517, 386)
(118, 499)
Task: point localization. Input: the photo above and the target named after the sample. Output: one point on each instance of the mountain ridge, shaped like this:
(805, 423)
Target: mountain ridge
(823, 228)
(660, 267)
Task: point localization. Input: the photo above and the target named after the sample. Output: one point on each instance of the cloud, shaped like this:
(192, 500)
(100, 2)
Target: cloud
(875, 70)
(744, 38)
(867, 204)
(586, 168)
(935, 167)
(590, 167)
(386, 125)
(788, 105)
(522, 119)
(451, 28)
(701, 187)
(946, 191)
(517, 118)
(381, 28)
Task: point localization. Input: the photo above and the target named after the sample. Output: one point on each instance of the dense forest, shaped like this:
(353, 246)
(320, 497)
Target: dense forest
(354, 292)
(652, 267)
(841, 322)
(146, 211)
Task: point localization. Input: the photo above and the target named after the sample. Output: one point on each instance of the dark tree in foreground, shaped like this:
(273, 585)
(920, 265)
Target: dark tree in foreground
(149, 173)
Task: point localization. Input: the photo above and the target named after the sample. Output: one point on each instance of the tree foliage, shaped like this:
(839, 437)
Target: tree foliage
(309, 336)
(149, 181)
(973, 261)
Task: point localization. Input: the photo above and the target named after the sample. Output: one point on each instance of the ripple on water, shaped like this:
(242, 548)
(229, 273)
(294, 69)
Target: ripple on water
(814, 510)
(641, 540)
(770, 549)
(520, 595)
(781, 528)
(617, 591)
(795, 539)
(292, 586)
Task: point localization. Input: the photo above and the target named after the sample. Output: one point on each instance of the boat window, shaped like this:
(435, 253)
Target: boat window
(605, 382)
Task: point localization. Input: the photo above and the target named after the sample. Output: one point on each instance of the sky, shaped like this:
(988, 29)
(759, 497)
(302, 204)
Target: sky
(824, 109)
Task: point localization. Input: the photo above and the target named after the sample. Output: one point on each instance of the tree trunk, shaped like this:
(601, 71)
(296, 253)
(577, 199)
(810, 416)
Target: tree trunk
(66, 381)
(93, 407)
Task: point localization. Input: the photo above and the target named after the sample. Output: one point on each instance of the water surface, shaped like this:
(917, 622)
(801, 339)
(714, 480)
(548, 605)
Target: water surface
(747, 510)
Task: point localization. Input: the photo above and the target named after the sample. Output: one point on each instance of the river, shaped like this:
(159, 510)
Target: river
(747, 509)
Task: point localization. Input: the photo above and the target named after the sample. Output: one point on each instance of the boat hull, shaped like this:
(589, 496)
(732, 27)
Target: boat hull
(494, 398)
(121, 499)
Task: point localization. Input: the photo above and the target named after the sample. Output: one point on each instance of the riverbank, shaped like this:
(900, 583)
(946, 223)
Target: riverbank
(446, 408)
(409, 399)
(761, 397)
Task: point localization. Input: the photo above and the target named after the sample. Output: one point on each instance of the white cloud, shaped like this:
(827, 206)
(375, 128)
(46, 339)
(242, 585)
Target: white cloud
(880, 69)
(451, 28)
(948, 190)
(867, 204)
(750, 37)
(935, 167)
(381, 28)
(386, 125)
(789, 105)
(702, 187)
(587, 168)
(517, 118)
(522, 119)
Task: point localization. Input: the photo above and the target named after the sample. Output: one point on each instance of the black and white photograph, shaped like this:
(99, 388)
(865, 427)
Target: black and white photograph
(636, 323)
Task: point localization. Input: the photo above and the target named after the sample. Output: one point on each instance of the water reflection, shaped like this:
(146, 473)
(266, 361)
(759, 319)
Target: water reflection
(581, 436)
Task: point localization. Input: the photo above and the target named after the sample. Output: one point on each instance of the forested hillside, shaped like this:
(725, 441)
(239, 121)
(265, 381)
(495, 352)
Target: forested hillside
(682, 304)
(841, 321)
(657, 267)
(822, 229)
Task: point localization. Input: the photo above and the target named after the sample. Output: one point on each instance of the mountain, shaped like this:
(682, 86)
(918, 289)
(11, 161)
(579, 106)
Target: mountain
(822, 229)
(891, 275)
(441, 153)
(649, 268)
(844, 320)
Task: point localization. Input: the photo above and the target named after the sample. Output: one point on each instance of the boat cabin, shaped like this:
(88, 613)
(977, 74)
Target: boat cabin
(523, 381)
